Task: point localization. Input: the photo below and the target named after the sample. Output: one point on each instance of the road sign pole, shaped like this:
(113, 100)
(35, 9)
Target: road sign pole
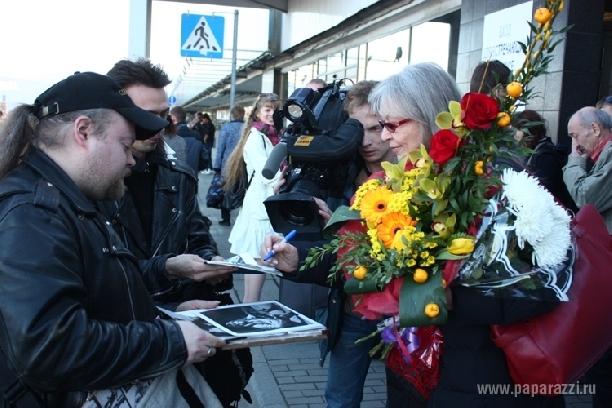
(234, 53)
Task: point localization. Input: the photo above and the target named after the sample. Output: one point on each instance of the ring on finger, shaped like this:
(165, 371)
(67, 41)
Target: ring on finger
(210, 352)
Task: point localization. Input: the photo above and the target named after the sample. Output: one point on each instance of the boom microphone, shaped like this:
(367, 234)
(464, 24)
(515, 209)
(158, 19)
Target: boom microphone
(274, 161)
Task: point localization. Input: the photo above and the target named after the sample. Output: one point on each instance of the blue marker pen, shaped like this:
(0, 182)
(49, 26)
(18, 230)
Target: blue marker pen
(287, 238)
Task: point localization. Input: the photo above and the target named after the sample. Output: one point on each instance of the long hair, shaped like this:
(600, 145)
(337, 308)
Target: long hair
(23, 129)
(16, 134)
(234, 174)
(419, 92)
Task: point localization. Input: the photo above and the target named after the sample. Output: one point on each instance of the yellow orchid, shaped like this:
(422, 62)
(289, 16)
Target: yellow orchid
(452, 119)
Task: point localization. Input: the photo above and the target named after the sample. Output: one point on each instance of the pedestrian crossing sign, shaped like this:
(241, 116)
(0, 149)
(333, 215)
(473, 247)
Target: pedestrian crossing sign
(202, 36)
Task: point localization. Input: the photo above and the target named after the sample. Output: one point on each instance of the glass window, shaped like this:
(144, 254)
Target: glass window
(388, 55)
(431, 42)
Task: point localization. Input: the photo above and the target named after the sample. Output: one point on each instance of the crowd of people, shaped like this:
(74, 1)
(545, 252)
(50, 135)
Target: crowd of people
(102, 232)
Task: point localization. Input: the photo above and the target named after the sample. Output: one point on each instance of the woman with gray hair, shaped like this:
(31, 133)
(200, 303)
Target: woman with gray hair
(408, 103)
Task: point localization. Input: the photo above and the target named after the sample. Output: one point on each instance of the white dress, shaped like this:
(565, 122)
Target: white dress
(253, 224)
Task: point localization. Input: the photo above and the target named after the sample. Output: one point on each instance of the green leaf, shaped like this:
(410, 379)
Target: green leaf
(343, 214)
(447, 256)
(415, 296)
(354, 286)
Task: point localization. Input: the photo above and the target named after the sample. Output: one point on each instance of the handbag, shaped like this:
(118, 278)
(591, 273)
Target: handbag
(234, 197)
(214, 196)
(556, 348)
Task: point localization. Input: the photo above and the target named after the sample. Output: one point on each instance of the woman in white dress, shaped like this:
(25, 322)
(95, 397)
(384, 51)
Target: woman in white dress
(258, 138)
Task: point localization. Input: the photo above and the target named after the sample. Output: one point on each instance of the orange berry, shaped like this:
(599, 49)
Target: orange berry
(542, 15)
(503, 119)
(514, 89)
(360, 272)
(420, 275)
(478, 168)
(432, 310)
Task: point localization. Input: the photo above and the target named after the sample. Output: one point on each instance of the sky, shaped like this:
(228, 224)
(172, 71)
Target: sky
(45, 41)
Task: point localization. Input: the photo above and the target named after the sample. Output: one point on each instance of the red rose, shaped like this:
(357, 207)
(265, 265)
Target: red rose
(478, 111)
(443, 146)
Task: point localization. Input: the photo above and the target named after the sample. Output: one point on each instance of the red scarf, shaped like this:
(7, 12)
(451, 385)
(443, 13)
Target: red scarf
(268, 130)
(595, 155)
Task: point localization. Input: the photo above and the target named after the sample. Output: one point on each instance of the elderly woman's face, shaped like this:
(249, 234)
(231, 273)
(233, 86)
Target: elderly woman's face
(405, 137)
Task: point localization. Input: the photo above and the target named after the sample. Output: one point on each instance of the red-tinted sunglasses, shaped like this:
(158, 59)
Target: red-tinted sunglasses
(392, 126)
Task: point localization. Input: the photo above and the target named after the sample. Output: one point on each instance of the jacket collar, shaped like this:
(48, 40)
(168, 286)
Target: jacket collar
(55, 175)
(155, 158)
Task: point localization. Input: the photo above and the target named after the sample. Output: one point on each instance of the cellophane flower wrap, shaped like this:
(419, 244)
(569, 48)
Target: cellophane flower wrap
(456, 214)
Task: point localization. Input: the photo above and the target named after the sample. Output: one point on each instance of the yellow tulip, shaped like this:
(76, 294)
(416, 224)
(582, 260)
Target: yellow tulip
(461, 246)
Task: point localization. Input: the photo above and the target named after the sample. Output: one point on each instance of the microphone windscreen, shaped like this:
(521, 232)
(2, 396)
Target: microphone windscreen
(274, 161)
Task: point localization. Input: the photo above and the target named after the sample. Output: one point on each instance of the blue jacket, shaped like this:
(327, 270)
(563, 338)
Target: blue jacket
(228, 139)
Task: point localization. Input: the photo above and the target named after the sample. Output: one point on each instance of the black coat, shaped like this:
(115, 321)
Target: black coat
(74, 312)
(471, 358)
(177, 227)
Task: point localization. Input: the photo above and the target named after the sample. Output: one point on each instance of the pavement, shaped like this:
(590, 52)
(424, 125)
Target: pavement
(289, 375)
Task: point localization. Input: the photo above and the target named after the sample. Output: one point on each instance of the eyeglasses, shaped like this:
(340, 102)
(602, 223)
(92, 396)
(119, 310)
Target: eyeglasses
(392, 126)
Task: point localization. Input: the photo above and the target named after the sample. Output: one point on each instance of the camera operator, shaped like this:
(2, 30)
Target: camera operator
(349, 362)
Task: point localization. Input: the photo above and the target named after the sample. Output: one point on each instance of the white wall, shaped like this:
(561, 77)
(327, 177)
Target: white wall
(307, 18)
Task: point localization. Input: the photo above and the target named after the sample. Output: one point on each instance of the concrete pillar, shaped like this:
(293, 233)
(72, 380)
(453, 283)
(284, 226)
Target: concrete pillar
(140, 29)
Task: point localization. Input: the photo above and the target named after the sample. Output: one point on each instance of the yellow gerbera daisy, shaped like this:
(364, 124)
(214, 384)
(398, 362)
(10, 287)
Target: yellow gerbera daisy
(390, 224)
(374, 205)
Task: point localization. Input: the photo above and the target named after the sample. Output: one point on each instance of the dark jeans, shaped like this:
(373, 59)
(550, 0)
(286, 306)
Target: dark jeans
(225, 214)
(209, 147)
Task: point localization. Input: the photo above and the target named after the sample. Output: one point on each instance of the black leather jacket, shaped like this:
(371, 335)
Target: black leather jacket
(178, 227)
(74, 312)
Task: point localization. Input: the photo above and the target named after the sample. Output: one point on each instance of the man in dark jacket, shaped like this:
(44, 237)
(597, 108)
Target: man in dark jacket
(197, 154)
(204, 126)
(74, 312)
(159, 217)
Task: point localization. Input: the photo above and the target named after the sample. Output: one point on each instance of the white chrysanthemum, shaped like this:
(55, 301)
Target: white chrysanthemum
(540, 221)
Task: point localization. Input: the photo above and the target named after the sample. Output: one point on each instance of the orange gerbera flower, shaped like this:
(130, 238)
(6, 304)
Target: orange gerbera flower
(374, 204)
(390, 224)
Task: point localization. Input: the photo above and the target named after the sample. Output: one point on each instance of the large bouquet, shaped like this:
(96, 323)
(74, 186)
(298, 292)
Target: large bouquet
(454, 215)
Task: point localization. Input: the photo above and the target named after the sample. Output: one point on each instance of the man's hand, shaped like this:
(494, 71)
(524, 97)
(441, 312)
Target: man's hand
(285, 257)
(193, 267)
(577, 150)
(197, 305)
(198, 342)
(324, 212)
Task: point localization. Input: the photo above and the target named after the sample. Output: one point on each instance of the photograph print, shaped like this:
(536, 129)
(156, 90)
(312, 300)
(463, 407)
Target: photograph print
(258, 319)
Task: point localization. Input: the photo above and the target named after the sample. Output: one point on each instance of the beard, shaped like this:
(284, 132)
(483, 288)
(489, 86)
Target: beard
(97, 188)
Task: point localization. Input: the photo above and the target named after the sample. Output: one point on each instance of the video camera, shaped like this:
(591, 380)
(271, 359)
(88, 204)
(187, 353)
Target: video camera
(321, 147)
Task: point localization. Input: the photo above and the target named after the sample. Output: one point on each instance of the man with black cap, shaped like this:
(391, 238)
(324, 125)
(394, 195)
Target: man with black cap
(74, 312)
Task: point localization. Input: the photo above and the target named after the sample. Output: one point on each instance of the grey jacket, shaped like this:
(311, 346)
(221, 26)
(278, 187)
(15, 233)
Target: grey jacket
(228, 139)
(593, 187)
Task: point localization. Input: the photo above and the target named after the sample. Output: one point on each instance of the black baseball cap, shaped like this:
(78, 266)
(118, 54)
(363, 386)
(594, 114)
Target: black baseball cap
(88, 90)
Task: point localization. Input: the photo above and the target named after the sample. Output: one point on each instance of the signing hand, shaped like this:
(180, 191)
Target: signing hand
(285, 257)
(193, 267)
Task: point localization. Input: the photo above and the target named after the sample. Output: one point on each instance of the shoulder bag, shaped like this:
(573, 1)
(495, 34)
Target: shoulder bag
(557, 348)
